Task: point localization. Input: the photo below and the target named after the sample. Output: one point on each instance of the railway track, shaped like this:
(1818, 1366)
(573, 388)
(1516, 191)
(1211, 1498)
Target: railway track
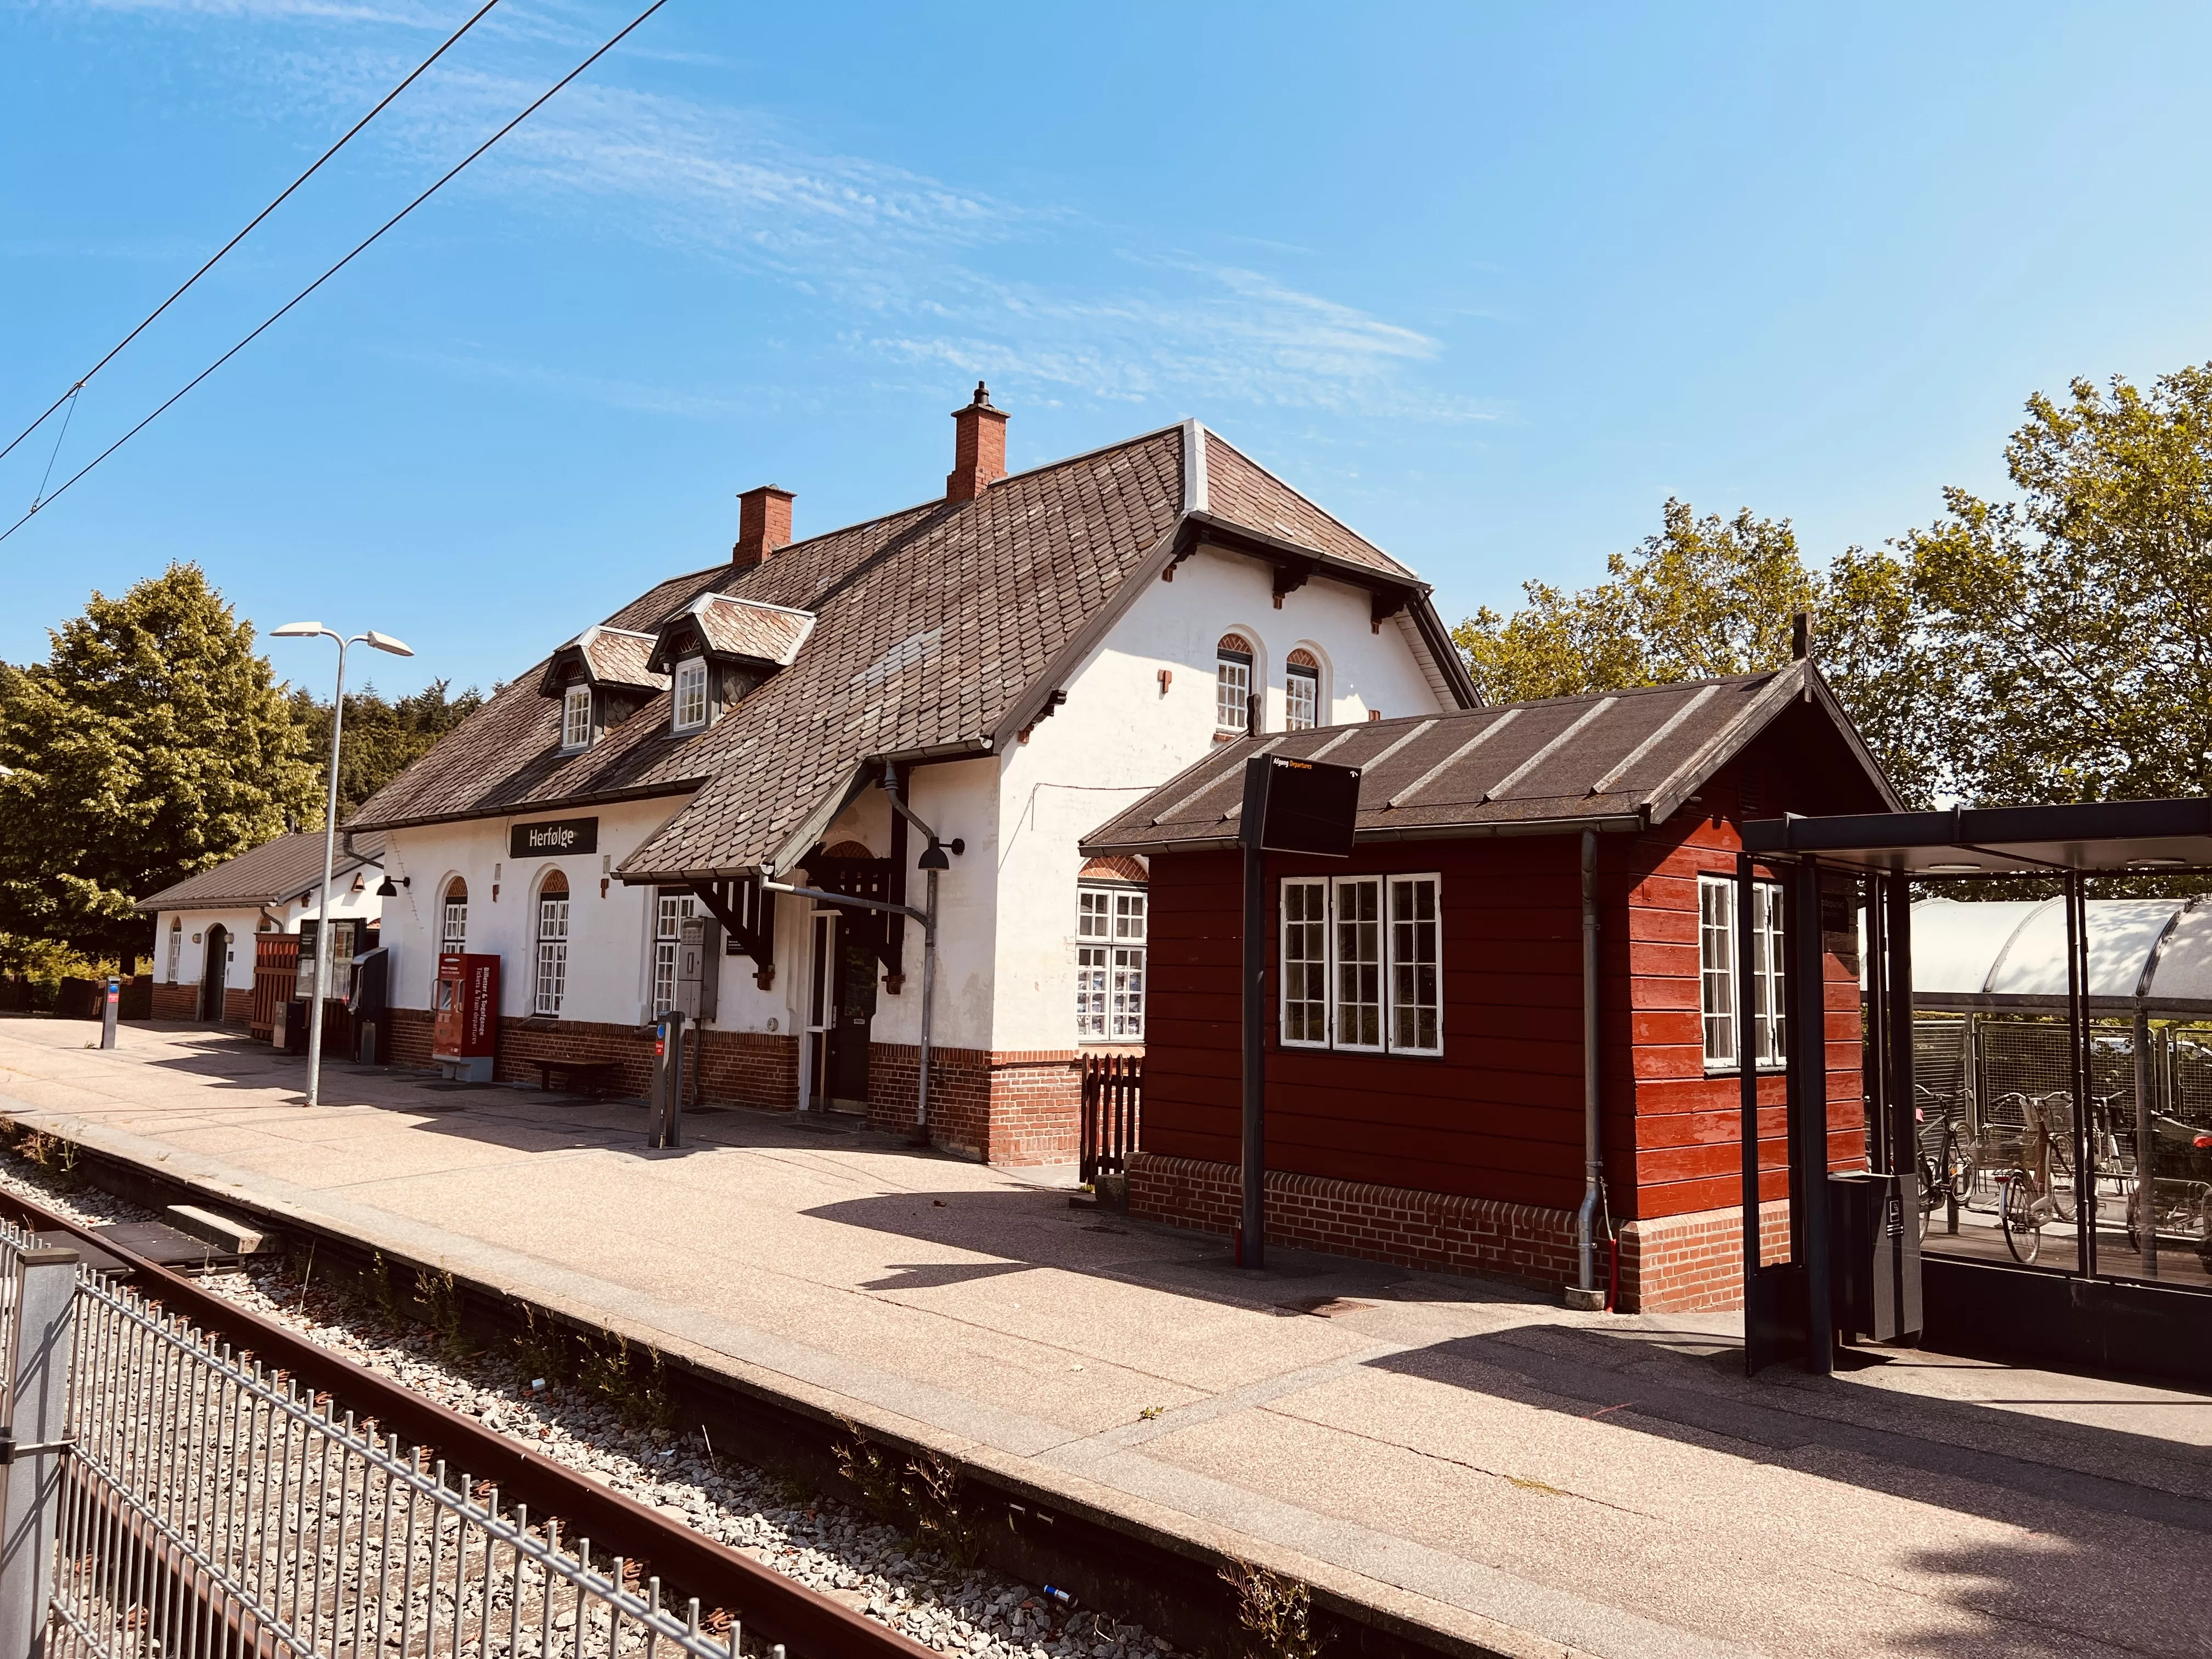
(779, 1609)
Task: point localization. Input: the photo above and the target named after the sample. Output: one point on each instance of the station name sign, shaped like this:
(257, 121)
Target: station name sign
(553, 837)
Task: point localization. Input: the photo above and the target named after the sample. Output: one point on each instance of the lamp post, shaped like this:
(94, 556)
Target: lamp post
(307, 630)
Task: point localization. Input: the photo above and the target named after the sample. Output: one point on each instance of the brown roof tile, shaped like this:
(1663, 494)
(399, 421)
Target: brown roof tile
(1237, 487)
(267, 874)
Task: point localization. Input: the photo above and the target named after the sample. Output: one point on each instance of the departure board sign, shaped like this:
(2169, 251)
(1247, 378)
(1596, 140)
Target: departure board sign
(1299, 807)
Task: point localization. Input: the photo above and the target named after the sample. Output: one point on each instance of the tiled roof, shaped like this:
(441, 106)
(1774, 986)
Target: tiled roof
(744, 628)
(934, 629)
(1635, 754)
(1238, 489)
(617, 656)
(267, 874)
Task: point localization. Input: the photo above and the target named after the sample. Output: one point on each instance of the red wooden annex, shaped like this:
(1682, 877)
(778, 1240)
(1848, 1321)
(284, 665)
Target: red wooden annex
(1425, 1048)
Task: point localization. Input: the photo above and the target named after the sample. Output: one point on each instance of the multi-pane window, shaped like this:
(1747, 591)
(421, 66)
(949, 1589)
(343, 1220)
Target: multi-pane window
(670, 909)
(1717, 973)
(1109, 964)
(1362, 964)
(453, 923)
(690, 693)
(1300, 692)
(1232, 684)
(176, 950)
(552, 945)
(1416, 980)
(576, 717)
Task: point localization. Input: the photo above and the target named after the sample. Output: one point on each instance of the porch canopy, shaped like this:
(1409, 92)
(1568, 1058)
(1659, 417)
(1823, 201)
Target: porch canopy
(2093, 837)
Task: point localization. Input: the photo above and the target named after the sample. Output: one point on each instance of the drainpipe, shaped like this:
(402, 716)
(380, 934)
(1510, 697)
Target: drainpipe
(1593, 1155)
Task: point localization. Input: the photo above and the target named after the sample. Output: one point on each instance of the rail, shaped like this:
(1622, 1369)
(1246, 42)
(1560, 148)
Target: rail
(285, 1503)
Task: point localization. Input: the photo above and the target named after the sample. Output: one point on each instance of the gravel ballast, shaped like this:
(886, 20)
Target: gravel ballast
(825, 1543)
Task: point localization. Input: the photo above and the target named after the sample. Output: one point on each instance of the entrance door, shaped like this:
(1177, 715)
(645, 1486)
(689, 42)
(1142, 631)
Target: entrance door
(840, 1005)
(211, 973)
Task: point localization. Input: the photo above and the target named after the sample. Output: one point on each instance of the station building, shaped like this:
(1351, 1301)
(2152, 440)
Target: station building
(209, 928)
(1426, 1042)
(1015, 656)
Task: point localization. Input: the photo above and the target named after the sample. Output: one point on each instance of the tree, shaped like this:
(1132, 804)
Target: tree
(1710, 597)
(381, 739)
(153, 743)
(2074, 626)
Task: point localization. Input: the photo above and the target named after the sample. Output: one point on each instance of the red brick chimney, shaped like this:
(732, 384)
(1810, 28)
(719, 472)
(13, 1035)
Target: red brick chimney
(763, 524)
(979, 448)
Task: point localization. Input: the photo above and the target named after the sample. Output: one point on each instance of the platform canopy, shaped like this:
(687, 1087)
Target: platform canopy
(2103, 837)
(2006, 954)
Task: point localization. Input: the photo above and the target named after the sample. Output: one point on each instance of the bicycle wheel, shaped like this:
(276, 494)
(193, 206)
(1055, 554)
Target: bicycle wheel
(2061, 1193)
(2021, 1218)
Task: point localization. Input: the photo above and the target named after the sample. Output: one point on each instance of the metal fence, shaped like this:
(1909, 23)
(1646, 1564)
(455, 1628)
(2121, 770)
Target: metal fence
(167, 1496)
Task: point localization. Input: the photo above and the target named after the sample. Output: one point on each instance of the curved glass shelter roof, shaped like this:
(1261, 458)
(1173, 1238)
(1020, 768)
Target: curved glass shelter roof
(2010, 954)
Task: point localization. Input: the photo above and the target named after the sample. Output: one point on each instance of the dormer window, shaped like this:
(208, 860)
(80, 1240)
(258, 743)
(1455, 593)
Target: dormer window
(690, 694)
(576, 717)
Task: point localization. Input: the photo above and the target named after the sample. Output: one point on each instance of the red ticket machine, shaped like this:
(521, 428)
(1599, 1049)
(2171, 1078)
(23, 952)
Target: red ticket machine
(466, 1037)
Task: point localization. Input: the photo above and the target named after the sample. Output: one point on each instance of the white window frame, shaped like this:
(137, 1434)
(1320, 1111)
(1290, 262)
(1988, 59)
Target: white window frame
(453, 925)
(1232, 691)
(671, 906)
(692, 708)
(1363, 954)
(1719, 1007)
(1112, 928)
(176, 950)
(576, 717)
(1298, 676)
(549, 984)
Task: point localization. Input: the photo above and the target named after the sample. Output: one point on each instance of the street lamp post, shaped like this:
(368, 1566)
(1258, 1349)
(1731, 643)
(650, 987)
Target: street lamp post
(307, 630)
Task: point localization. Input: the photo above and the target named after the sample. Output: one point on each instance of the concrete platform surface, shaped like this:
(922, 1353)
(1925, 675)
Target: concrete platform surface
(1524, 1478)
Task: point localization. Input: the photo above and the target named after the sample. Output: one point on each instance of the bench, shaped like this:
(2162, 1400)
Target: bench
(589, 1077)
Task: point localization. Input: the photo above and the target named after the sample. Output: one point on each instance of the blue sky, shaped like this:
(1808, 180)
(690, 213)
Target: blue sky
(1489, 283)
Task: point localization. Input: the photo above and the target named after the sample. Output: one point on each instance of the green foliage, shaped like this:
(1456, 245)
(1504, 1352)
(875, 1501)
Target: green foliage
(152, 743)
(1703, 597)
(2075, 624)
(1275, 1612)
(923, 1496)
(381, 739)
(2058, 647)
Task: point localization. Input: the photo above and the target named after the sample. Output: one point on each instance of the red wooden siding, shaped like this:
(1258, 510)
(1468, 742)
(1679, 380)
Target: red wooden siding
(1499, 1116)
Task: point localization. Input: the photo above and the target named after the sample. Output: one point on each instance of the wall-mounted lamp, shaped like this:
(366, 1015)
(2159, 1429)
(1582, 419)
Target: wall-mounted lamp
(933, 857)
(385, 890)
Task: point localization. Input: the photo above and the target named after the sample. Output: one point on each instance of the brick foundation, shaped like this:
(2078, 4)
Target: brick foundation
(1012, 1107)
(1673, 1264)
(183, 1002)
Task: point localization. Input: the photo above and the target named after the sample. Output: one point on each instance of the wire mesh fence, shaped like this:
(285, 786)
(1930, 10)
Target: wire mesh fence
(206, 1507)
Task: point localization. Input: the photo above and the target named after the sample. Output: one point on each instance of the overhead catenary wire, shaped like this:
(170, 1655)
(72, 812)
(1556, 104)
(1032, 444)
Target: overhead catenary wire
(151, 316)
(360, 248)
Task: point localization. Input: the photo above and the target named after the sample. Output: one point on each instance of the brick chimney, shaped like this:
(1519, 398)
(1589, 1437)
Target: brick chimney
(979, 448)
(763, 524)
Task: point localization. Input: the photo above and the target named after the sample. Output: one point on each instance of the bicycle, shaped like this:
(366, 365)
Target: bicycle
(1946, 1164)
(2042, 1170)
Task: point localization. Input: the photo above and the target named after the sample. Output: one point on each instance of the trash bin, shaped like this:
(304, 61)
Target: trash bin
(298, 1017)
(1874, 1255)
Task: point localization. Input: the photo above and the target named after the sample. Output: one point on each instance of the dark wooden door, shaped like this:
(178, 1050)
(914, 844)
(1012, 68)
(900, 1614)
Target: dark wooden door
(212, 974)
(856, 1011)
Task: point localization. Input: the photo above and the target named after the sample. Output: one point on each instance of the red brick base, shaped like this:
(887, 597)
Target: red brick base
(183, 1002)
(1005, 1107)
(1673, 1264)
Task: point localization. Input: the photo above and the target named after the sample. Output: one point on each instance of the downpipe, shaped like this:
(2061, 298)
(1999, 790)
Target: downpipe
(1586, 1294)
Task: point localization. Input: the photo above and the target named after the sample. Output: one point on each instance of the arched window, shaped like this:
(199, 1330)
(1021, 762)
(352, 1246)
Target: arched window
(552, 945)
(1301, 692)
(453, 919)
(1232, 685)
(176, 945)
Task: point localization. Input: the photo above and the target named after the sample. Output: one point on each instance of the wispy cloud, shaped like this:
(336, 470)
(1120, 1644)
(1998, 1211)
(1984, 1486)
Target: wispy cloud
(909, 270)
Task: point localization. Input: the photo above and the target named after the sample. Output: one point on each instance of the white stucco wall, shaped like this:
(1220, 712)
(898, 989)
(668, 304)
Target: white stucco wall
(346, 900)
(1119, 735)
(609, 931)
